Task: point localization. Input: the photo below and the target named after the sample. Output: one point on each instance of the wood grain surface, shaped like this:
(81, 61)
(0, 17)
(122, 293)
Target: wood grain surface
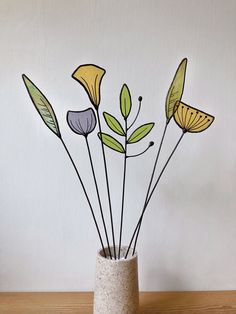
(150, 302)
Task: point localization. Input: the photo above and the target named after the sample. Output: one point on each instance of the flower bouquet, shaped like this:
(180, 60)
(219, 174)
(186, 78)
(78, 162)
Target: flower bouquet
(117, 263)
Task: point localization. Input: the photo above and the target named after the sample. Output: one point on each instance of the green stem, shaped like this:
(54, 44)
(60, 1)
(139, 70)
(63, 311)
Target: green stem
(123, 191)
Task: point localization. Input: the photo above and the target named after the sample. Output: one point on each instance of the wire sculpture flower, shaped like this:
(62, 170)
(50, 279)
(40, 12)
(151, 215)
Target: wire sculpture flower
(190, 119)
(176, 89)
(82, 122)
(90, 77)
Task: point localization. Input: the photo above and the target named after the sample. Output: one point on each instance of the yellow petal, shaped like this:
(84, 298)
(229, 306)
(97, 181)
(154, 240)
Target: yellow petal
(191, 119)
(90, 77)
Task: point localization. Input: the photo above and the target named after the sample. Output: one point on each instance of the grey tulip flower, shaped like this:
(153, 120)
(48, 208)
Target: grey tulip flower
(82, 122)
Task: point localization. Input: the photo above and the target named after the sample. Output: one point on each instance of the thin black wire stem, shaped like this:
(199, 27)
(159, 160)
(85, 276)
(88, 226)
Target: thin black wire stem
(136, 155)
(108, 188)
(152, 191)
(86, 195)
(98, 195)
(140, 101)
(151, 180)
(123, 191)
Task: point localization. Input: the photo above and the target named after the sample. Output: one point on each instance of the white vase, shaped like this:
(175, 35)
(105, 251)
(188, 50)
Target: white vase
(116, 284)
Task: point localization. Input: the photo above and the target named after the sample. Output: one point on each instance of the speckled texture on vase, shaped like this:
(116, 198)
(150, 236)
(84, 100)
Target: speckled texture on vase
(116, 285)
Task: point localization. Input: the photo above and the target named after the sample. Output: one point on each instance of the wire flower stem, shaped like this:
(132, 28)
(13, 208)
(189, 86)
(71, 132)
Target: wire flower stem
(123, 191)
(140, 102)
(152, 191)
(151, 180)
(136, 155)
(107, 184)
(98, 195)
(86, 195)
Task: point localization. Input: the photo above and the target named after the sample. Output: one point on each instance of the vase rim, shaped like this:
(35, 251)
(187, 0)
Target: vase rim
(123, 248)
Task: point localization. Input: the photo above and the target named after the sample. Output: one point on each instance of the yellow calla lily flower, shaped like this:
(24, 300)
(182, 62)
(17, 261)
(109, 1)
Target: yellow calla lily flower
(90, 77)
(191, 119)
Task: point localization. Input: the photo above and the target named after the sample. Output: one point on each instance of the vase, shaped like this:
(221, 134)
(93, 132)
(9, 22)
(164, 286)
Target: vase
(116, 284)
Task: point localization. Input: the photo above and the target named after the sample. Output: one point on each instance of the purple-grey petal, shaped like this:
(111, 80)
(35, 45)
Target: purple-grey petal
(82, 122)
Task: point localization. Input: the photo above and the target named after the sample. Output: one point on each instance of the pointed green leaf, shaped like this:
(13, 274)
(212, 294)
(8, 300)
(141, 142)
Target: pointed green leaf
(113, 124)
(176, 89)
(42, 105)
(140, 133)
(111, 142)
(125, 101)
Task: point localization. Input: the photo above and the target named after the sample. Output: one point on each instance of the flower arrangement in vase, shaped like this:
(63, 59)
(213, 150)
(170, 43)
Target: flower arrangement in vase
(117, 263)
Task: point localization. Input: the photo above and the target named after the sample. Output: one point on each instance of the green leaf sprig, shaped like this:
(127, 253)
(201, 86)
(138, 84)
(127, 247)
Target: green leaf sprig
(115, 125)
(137, 135)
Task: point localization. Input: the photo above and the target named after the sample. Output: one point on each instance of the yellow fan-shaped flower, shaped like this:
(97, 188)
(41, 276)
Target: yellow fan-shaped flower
(90, 77)
(191, 119)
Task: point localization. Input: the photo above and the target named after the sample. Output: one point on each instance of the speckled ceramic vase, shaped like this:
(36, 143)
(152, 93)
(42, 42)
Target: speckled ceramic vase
(116, 285)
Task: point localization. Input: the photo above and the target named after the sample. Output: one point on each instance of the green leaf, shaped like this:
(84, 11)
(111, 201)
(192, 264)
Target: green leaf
(140, 132)
(42, 105)
(176, 89)
(111, 142)
(113, 124)
(125, 101)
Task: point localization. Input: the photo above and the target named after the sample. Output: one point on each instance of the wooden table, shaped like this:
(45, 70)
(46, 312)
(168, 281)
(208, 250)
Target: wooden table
(150, 302)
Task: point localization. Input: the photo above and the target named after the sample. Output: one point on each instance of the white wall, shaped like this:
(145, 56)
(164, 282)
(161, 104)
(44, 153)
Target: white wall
(47, 239)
